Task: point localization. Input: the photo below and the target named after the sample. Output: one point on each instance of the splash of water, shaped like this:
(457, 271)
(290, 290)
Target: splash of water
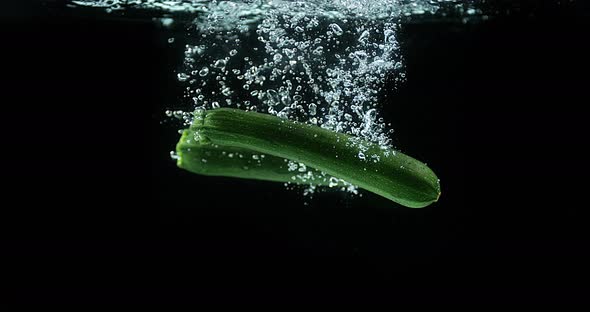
(322, 62)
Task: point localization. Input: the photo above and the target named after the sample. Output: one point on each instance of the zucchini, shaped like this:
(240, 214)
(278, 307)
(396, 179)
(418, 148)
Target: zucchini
(213, 160)
(384, 171)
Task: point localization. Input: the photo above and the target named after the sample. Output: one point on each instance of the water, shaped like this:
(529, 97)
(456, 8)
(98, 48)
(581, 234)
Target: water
(296, 62)
(86, 170)
(322, 62)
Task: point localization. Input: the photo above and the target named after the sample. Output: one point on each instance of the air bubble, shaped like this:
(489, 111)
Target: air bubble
(182, 77)
(220, 63)
(389, 36)
(312, 109)
(174, 156)
(204, 71)
(364, 37)
(226, 91)
(336, 29)
(290, 53)
(318, 51)
(273, 97)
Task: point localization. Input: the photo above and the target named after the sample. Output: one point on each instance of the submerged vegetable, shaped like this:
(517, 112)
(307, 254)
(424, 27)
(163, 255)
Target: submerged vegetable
(388, 173)
(213, 160)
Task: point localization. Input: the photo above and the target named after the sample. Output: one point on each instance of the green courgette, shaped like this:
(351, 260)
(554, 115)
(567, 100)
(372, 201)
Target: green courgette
(383, 171)
(205, 158)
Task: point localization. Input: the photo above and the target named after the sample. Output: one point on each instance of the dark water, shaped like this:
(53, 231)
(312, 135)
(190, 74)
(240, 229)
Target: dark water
(496, 108)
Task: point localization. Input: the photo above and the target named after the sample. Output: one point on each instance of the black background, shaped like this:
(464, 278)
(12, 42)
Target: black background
(94, 209)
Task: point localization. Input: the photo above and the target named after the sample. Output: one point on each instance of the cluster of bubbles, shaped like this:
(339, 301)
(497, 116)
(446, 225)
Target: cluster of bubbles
(296, 66)
(321, 62)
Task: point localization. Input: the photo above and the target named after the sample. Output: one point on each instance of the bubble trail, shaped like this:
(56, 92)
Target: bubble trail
(318, 62)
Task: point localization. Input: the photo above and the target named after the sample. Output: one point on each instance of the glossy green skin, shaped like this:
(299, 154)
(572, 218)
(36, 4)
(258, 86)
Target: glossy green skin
(214, 160)
(395, 176)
